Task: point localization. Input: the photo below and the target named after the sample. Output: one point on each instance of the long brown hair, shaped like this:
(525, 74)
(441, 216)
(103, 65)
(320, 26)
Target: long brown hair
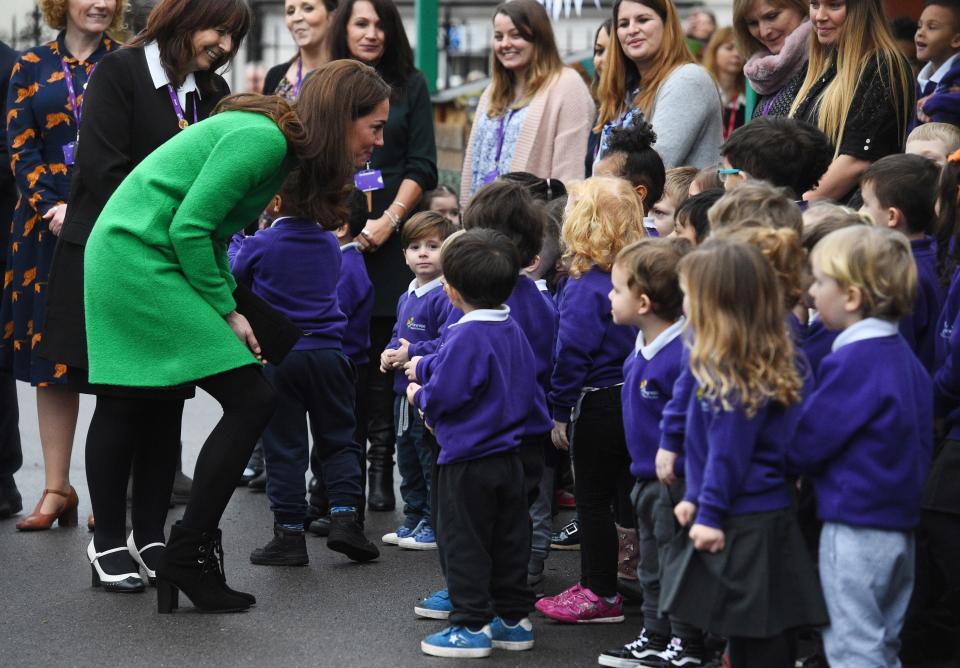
(531, 21)
(720, 37)
(172, 23)
(747, 43)
(620, 74)
(317, 128)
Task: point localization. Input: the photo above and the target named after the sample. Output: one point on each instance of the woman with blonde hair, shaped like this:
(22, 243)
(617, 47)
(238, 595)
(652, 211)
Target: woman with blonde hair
(774, 36)
(44, 106)
(858, 90)
(536, 114)
(724, 62)
(650, 73)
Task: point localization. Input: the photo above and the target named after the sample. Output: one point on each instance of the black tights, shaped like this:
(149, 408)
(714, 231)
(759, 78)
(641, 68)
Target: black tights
(776, 652)
(143, 433)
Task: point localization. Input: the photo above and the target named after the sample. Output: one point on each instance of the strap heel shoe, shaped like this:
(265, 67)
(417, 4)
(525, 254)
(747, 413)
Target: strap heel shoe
(152, 556)
(127, 582)
(66, 515)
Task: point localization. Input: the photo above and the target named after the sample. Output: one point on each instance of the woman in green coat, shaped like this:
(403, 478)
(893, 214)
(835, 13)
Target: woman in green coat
(158, 291)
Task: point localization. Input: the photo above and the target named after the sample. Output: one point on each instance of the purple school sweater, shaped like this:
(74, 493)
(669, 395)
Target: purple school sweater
(920, 327)
(421, 314)
(294, 265)
(866, 433)
(482, 387)
(355, 293)
(649, 375)
(537, 318)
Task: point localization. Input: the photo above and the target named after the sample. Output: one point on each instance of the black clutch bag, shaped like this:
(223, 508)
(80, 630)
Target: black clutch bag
(275, 332)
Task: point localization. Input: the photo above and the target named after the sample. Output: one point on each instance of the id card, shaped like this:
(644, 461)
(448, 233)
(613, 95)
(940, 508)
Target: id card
(368, 180)
(69, 151)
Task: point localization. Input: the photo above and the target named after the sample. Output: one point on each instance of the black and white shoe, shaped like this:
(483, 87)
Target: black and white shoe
(679, 654)
(125, 580)
(146, 556)
(634, 653)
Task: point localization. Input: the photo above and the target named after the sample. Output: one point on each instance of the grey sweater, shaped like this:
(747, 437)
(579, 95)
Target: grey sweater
(688, 119)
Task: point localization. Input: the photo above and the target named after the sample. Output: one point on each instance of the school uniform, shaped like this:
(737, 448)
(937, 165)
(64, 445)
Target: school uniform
(865, 440)
(585, 391)
(295, 265)
(817, 343)
(478, 400)
(920, 327)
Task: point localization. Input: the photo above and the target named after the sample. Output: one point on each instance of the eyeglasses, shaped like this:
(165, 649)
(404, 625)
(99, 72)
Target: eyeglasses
(724, 172)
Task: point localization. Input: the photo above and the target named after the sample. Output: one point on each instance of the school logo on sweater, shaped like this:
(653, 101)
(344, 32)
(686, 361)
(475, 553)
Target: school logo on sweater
(415, 326)
(648, 393)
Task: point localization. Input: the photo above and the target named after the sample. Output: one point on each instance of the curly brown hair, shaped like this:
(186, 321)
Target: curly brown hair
(55, 15)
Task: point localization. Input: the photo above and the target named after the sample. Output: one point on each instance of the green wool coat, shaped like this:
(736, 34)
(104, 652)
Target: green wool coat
(157, 283)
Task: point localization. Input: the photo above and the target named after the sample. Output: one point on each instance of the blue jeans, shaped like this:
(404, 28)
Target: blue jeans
(867, 577)
(415, 462)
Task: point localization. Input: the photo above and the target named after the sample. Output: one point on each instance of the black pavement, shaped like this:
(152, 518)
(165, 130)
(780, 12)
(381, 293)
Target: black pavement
(330, 613)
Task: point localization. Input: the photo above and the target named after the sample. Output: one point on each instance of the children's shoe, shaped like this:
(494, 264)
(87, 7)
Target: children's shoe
(565, 500)
(458, 642)
(628, 554)
(682, 654)
(288, 548)
(435, 606)
(403, 531)
(346, 537)
(549, 602)
(585, 607)
(634, 653)
(423, 539)
(568, 538)
(515, 637)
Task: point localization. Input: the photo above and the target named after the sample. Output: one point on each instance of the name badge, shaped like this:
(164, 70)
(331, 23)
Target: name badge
(69, 152)
(368, 180)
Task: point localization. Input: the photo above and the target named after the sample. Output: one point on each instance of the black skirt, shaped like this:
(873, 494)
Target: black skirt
(761, 584)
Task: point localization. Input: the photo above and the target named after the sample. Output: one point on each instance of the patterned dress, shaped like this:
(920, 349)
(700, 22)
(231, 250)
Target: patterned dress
(40, 121)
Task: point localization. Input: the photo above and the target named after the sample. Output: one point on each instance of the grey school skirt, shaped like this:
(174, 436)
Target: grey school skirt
(762, 583)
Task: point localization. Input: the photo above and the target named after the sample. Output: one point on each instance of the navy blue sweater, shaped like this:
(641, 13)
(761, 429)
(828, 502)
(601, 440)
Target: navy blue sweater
(947, 376)
(649, 375)
(866, 434)
(355, 292)
(590, 347)
(294, 265)
(421, 314)
(482, 387)
(920, 327)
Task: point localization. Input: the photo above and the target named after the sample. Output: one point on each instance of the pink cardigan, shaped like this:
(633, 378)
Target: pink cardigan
(553, 139)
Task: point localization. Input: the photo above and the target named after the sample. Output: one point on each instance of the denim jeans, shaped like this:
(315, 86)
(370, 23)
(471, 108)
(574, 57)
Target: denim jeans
(415, 462)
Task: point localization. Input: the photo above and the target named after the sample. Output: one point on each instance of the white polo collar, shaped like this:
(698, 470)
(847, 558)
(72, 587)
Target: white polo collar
(426, 287)
(927, 74)
(869, 328)
(541, 284)
(659, 343)
(485, 315)
(160, 78)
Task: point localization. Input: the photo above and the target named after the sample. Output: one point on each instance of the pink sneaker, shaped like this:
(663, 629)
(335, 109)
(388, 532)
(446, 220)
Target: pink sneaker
(584, 607)
(550, 602)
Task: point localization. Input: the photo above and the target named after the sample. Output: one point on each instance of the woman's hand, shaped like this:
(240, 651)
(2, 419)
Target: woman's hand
(55, 216)
(665, 463)
(559, 436)
(685, 511)
(244, 332)
(375, 233)
(706, 538)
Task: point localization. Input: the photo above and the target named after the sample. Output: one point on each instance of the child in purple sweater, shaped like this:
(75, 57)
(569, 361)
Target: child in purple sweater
(865, 439)
(478, 398)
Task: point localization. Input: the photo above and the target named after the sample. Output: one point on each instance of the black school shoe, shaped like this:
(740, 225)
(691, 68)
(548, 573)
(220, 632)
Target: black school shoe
(288, 548)
(680, 654)
(634, 653)
(320, 526)
(568, 538)
(346, 536)
(11, 502)
(258, 485)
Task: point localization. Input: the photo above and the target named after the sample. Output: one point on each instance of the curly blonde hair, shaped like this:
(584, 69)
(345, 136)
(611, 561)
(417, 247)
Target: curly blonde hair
(605, 214)
(55, 15)
(783, 249)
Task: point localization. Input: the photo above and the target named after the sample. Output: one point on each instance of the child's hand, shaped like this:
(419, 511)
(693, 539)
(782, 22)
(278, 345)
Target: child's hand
(388, 360)
(685, 511)
(706, 538)
(412, 389)
(559, 436)
(402, 353)
(410, 368)
(665, 462)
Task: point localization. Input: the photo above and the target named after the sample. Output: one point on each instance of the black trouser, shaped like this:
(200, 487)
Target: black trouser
(380, 397)
(142, 433)
(776, 652)
(600, 459)
(482, 520)
(11, 455)
(318, 384)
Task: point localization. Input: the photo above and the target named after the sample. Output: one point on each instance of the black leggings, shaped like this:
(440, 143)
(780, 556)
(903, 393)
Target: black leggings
(777, 652)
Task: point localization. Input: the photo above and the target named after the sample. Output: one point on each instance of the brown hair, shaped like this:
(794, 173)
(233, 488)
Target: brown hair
(424, 224)
(651, 265)
(172, 24)
(747, 43)
(55, 14)
(757, 201)
(531, 21)
(677, 184)
(781, 247)
(317, 128)
(719, 38)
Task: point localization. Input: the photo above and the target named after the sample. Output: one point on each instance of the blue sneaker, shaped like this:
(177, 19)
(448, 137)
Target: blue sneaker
(422, 539)
(394, 537)
(515, 637)
(458, 642)
(435, 606)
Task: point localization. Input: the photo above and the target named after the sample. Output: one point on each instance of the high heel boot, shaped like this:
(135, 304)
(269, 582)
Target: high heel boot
(193, 563)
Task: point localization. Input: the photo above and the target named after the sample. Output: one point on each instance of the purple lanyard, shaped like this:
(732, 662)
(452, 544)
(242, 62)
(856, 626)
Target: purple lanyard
(766, 107)
(296, 88)
(75, 104)
(501, 135)
(175, 101)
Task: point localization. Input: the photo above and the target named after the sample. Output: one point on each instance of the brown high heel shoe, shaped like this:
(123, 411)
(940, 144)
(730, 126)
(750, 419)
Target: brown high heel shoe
(66, 516)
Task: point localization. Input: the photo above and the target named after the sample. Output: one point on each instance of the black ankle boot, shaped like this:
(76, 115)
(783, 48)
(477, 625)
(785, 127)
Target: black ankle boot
(193, 563)
(380, 496)
(288, 548)
(346, 536)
